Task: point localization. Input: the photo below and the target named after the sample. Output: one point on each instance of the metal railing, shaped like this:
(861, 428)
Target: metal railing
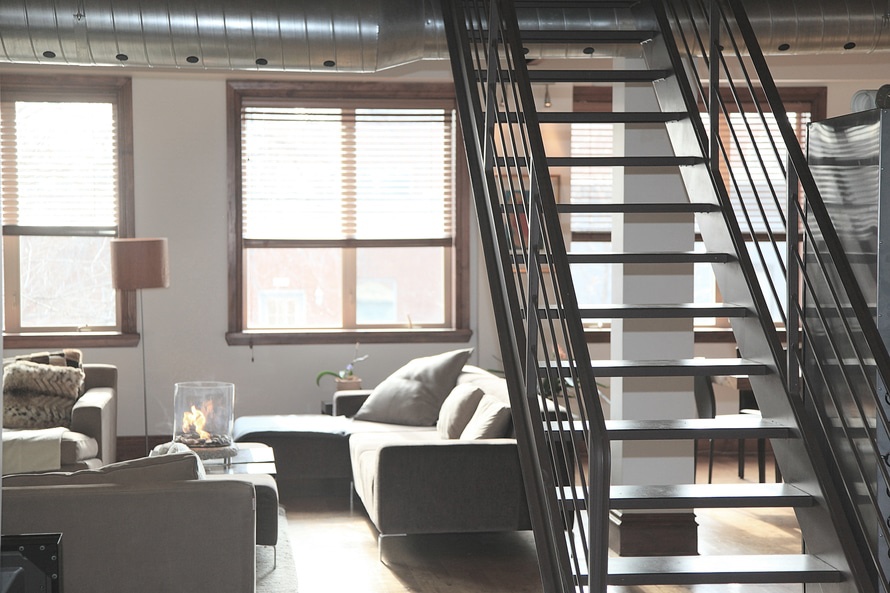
(561, 433)
(836, 362)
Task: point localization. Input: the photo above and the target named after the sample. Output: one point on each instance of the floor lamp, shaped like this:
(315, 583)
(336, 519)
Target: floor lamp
(137, 264)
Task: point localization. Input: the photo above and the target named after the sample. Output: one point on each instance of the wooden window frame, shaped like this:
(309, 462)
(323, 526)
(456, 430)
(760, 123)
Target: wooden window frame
(91, 88)
(239, 92)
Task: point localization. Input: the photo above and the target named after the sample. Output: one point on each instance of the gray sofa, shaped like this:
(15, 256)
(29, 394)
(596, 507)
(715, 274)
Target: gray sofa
(147, 525)
(410, 479)
(91, 440)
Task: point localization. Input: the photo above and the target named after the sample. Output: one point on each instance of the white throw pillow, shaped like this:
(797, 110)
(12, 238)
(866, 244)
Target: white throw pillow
(491, 420)
(414, 394)
(458, 408)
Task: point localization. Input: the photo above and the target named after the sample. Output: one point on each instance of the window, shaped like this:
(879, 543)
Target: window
(347, 218)
(66, 191)
(592, 233)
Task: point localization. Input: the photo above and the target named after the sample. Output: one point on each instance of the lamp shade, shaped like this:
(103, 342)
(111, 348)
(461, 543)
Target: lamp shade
(139, 263)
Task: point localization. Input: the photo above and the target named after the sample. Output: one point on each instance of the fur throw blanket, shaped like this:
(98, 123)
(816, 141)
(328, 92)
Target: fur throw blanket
(39, 395)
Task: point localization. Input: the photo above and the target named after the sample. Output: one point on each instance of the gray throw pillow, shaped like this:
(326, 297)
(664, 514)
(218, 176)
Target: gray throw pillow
(414, 394)
(458, 408)
(491, 420)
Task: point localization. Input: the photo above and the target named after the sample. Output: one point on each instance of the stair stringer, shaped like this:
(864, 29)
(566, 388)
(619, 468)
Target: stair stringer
(826, 532)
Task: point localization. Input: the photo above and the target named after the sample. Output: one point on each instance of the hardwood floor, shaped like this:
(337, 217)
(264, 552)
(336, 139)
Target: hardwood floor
(336, 550)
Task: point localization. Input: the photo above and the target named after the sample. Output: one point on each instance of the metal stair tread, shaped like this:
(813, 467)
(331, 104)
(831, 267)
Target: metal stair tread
(691, 496)
(685, 496)
(733, 426)
(606, 161)
(554, 76)
(639, 208)
(657, 257)
(684, 367)
(683, 310)
(599, 117)
(721, 569)
(625, 161)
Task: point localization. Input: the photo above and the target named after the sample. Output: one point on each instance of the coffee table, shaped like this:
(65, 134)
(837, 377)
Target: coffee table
(250, 458)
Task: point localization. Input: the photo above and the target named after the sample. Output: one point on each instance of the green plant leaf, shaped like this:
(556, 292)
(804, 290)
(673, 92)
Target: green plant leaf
(325, 373)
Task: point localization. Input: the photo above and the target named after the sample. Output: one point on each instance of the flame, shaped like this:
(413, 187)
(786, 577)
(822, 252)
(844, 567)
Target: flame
(195, 420)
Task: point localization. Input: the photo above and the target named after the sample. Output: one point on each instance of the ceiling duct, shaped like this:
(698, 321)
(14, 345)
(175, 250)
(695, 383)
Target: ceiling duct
(355, 35)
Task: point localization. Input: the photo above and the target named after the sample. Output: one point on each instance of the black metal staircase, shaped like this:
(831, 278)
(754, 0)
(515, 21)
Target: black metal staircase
(564, 438)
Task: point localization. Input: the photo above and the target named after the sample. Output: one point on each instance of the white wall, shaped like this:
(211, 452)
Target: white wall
(181, 194)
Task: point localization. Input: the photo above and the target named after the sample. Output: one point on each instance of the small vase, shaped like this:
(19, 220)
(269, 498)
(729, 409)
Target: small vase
(347, 384)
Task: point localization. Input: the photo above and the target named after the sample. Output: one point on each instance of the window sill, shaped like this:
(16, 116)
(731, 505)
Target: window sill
(69, 340)
(348, 337)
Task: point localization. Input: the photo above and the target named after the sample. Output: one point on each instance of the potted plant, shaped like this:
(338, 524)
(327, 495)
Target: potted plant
(345, 378)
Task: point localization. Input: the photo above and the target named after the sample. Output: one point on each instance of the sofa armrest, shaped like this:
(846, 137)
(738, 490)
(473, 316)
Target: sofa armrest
(95, 415)
(440, 486)
(348, 402)
(99, 375)
(173, 536)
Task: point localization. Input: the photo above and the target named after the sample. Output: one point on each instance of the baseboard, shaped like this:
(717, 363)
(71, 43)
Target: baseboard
(653, 534)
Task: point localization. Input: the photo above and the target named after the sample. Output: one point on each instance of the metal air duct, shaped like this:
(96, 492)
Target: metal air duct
(356, 35)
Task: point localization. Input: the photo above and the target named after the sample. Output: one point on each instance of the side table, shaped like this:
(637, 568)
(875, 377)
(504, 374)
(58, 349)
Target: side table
(254, 463)
(251, 458)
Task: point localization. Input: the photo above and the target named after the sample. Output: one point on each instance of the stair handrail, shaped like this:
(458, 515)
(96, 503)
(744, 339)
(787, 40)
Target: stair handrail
(532, 288)
(849, 286)
(872, 361)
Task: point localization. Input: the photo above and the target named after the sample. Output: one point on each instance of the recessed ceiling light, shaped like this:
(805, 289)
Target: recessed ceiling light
(330, 63)
(784, 47)
(261, 61)
(849, 45)
(122, 57)
(588, 50)
(192, 59)
(49, 54)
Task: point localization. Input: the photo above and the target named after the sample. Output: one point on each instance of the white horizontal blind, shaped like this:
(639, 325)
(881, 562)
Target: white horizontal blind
(591, 185)
(60, 164)
(749, 149)
(337, 173)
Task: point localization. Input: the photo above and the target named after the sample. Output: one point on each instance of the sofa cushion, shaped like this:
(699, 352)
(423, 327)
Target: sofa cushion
(457, 409)
(491, 420)
(39, 395)
(144, 470)
(77, 447)
(414, 393)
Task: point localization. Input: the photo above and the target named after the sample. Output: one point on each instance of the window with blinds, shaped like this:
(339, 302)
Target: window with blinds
(746, 151)
(322, 173)
(61, 202)
(64, 159)
(347, 211)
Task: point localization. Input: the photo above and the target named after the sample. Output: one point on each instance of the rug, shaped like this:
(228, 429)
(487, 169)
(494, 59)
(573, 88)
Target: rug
(283, 577)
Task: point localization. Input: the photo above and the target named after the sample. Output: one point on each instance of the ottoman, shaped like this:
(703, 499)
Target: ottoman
(311, 450)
